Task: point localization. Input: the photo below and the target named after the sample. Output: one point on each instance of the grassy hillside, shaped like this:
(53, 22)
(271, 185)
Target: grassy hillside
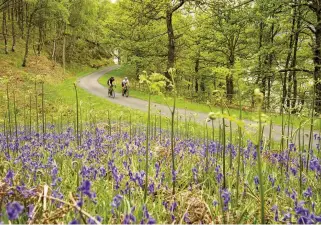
(59, 92)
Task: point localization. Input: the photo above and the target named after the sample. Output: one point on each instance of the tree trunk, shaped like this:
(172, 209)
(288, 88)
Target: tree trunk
(260, 57)
(196, 84)
(171, 42)
(64, 52)
(40, 38)
(13, 29)
(270, 77)
(53, 55)
(317, 61)
(39, 47)
(229, 78)
(24, 63)
(294, 61)
(21, 17)
(29, 26)
(202, 84)
(287, 63)
(5, 31)
(229, 87)
(171, 36)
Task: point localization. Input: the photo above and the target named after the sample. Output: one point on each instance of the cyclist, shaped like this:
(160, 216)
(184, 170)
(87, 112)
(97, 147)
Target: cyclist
(124, 83)
(110, 84)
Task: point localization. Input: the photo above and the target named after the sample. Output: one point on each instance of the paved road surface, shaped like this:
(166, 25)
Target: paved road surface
(91, 84)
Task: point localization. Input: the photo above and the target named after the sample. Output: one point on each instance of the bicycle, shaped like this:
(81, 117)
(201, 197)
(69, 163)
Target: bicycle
(111, 91)
(126, 91)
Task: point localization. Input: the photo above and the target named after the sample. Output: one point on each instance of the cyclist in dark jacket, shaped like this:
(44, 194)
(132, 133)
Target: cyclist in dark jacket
(110, 83)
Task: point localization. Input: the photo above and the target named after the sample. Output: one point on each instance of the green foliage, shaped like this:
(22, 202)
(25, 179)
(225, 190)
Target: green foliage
(155, 82)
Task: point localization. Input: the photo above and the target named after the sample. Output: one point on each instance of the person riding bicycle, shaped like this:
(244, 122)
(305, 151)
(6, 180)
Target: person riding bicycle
(124, 83)
(110, 84)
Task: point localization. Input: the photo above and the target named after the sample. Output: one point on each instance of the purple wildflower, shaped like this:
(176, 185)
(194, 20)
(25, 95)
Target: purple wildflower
(116, 201)
(9, 177)
(85, 189)
(74, 221)
(91, 221)
(226, 196)
(308, 193)
(14, 209)
(256, 180)
(276, 213)
(147, 216)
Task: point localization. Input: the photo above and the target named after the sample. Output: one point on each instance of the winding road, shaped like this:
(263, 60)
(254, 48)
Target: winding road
(91, 84)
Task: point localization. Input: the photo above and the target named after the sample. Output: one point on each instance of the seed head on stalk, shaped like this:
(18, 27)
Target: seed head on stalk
(258, 97)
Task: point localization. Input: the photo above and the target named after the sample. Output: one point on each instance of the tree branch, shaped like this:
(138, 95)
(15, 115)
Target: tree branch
(295, 69)
(177, 6)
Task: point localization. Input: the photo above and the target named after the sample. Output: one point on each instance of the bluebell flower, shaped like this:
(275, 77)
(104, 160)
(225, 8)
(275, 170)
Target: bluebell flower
(276, 213)
(85, 188)
(30, 210)
(9, 177)
(286, 217)
(308, 193)
(173, 206)
(215, 203)
(195, 171)
(186, 219)
(272, 180)
(304, 220)
(316, 219)
(147, 218)
(157, 166)
(226, 196)
(74, 221)
(151, 188)
(294, 194)
(174, 175)
(130, 218)
(91, 221)
(14, 209)
(116, 201)
(151, 220)
(294, 171)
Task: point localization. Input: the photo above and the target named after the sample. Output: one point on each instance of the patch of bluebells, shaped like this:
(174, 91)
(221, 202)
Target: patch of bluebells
(304, 216)
(94, 168)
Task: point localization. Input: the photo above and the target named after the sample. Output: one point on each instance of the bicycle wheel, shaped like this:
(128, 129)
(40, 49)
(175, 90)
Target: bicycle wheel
(113, 94)
(127, 93)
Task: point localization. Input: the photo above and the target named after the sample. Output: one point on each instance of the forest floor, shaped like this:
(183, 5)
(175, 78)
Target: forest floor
(92, 85)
